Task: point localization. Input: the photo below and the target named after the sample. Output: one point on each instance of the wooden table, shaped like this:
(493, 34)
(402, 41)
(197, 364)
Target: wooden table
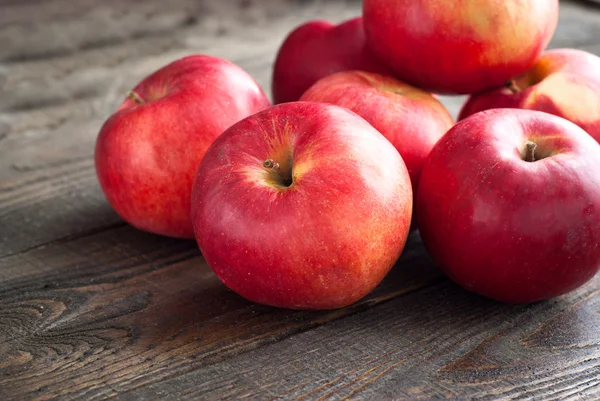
(91, 308)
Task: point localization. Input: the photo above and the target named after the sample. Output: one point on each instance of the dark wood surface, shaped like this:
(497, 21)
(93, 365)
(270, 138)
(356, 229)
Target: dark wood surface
(91, 308)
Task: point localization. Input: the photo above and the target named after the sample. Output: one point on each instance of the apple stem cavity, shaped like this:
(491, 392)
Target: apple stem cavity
(135, 97)
(283, 178)
(530, 151)
(512, 86)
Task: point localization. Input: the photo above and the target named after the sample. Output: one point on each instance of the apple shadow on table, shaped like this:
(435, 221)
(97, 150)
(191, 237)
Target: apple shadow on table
(416, 312)
(204, 310)
(415, 305)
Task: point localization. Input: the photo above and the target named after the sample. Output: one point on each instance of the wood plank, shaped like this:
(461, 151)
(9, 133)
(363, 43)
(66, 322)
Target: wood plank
(110, 312)
(440, 342)
(86, 25)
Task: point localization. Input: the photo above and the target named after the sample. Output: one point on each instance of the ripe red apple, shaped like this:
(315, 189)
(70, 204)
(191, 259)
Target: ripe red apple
(316, 49)
(509, 205)
(148, 151)
(304, 205)
(564, 82)
(411, 119)
(459, 46)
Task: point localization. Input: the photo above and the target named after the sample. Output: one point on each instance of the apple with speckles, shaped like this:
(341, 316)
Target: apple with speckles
(148, 151)
(563, 82)
(509, 205)
(411, 119)
(459, 46)
(316, 49)
(304, 206)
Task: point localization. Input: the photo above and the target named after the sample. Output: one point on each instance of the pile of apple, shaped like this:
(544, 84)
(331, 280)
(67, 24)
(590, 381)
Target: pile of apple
(308, 204)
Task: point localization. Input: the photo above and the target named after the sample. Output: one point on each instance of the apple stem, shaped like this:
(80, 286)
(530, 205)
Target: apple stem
(270, 163)
(135, 97)
(530, 151)
(512, 85)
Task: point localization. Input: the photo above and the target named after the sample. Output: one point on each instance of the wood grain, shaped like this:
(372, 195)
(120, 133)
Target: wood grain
(91, 308)
(107, 313)
(436, 343)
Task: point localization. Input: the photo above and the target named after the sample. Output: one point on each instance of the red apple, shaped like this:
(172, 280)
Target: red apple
(148, 151)
(459, 46)
(509, 205)
(317, 49)
(411, 119)
(304, 205)
(564, 82)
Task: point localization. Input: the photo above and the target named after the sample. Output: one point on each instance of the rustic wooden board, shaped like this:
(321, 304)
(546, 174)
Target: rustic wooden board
(108, 313)
(91, 308)
(430, 344)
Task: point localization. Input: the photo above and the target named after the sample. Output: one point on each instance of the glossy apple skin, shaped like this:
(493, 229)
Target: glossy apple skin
(505, 228)
(459, 47)
(563, 82)
(411, 119)
(147, 154)
(325, 241)
(317, 49)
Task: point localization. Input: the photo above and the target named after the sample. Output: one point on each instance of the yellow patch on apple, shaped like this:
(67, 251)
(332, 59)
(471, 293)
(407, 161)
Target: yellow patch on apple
(576, 99)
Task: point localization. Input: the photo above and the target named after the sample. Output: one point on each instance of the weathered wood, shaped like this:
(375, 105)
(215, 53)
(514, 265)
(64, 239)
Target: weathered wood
(436, 343)
(104, 314)
(91, 308)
